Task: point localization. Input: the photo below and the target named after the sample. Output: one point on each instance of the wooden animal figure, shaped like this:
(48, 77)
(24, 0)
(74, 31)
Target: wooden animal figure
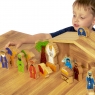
(83, 32)
(5, 58)
(52, 51)
(21, 62)
(67, 62)
(33, 69)
(90, 81)
(44, 70)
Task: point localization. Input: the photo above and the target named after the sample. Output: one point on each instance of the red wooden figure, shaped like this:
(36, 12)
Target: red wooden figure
(32, 72)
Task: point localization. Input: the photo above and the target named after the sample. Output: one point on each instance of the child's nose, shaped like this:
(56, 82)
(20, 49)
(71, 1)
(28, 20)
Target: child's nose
(76, 19)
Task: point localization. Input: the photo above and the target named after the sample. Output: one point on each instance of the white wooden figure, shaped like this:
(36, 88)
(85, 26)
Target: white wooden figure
(52, 51)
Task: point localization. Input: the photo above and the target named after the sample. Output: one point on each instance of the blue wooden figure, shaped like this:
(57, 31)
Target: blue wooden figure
(67, 62)
(9, 51)
(3, 60)
(90, 80)
(81, 32)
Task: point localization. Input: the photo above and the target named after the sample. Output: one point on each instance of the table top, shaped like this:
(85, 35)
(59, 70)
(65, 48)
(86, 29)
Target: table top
(13, 82)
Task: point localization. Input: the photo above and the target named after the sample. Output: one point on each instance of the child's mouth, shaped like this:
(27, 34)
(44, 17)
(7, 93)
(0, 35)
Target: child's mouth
(76, 25)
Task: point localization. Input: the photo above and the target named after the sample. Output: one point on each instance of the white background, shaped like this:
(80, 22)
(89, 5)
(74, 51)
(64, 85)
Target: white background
(35, 16)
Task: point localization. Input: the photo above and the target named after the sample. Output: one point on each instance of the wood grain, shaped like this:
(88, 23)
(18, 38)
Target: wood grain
(13, 82)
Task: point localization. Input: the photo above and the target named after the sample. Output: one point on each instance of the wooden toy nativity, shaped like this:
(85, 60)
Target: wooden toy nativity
(76, 53)
(73, 53)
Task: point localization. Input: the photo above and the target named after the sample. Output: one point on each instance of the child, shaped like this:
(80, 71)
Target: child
(83, 16)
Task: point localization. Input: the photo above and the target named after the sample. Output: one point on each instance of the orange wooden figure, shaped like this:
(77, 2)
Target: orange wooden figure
(33, 69)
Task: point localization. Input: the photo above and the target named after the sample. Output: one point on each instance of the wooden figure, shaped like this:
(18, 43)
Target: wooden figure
(67, 62)
(90, 82)
(33, 68)
(5, 58)
(83, 32)
(67, 74)
(78, 71)
(52, 51)
(32, 71)
(21, 62)
(13, 57)
(44, 70)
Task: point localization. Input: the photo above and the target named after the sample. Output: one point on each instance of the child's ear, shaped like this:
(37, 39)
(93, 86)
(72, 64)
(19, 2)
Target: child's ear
(93, 21)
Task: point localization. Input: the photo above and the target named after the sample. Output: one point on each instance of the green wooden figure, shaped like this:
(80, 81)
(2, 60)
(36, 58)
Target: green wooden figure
(21, 62)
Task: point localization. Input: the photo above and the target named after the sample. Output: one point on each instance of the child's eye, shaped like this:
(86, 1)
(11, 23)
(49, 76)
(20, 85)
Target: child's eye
(74, 15)
(82, 17)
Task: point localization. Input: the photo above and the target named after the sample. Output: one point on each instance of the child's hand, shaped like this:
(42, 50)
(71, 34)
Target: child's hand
(13, 43)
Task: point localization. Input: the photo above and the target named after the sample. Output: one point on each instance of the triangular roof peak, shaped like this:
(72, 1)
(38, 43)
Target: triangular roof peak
(87, 44)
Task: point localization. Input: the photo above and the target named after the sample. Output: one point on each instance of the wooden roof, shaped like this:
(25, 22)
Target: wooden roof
(87, 44)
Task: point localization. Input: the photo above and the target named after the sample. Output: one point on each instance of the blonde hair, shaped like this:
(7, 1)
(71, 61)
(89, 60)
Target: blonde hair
(87, 4)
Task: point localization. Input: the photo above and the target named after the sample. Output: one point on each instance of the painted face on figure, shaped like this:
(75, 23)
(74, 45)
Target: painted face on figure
(82, 17)
(2, 53)
(50, 47)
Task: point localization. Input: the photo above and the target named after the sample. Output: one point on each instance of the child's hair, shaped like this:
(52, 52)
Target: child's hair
(87, 4)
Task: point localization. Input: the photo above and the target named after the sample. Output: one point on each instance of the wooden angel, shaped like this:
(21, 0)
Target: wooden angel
(52, 51)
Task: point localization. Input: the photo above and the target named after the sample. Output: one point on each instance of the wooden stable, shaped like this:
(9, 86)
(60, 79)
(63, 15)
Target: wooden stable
(79, 48)
(13, 82)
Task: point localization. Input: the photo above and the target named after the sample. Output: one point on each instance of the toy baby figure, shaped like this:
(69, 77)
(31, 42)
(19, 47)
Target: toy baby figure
(90, 81)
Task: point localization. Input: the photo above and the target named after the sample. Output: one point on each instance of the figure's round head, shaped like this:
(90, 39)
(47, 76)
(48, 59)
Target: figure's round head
(68, 60)
(50, 47)
(76, 65)
(89, 74)
(83, 14)
(2, 52)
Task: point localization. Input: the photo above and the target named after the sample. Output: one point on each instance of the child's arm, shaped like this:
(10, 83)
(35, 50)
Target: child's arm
(29, 40)
(33, 38)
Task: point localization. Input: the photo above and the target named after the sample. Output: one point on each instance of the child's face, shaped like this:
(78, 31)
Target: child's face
(82, 18)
